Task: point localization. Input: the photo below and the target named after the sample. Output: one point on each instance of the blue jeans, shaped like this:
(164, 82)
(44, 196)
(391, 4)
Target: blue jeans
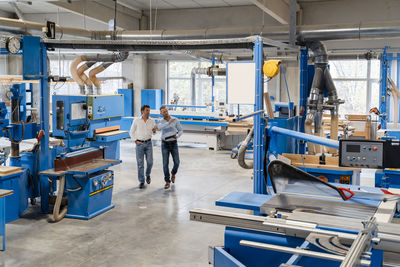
(142, 150)
(166, 149)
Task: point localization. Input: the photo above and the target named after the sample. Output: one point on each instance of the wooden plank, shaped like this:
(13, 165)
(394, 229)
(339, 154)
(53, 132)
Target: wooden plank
(311, 159)
(334, 161)
(325, 167)
(4, 192)
(111, 133)
(268, 104)
(357, 117)
(297, 158)
(107, 129)
(8, 169)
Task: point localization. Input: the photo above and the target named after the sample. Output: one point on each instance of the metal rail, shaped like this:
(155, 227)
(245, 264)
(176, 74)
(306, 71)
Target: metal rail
(299, 251)
(306, 137)
(239, 118)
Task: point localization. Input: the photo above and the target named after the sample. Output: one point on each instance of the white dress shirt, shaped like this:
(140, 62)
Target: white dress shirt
(142, 130)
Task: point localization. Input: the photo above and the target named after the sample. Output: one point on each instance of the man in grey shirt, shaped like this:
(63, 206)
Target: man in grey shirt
(171, 130)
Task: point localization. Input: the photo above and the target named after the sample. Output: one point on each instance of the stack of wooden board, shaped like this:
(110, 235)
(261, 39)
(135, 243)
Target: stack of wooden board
(239, 128)
(362, 125)
(312, 161)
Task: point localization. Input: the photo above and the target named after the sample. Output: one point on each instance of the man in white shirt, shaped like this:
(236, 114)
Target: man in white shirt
(141, 132)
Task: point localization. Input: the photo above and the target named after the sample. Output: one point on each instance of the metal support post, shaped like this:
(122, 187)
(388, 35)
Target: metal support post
(292, 28)
(383, 96)
(398, 78)
(303, 93)
(44, 154)
(259, 123)
(212, 85)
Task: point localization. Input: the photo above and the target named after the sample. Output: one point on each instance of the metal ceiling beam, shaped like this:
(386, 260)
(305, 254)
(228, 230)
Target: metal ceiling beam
(17, 10)
(277, 9)
(101, 12)
(125, 4)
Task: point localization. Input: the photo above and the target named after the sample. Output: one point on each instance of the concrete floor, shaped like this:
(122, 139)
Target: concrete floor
(148, 227)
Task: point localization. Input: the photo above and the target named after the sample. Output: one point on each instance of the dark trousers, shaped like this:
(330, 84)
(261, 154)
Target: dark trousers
(168, 148)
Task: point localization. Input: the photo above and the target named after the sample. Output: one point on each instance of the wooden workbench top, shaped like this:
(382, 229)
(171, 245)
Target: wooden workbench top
(7, 170)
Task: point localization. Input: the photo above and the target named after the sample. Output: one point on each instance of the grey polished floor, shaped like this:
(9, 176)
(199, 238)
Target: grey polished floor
(148, 227)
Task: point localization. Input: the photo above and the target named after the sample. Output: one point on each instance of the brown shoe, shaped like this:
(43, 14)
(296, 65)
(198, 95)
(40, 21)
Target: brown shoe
(173, 178)
(166, 186)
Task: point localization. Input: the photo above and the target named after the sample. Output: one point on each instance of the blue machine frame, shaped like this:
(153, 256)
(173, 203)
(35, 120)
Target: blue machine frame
(281, 135)
(102, 112)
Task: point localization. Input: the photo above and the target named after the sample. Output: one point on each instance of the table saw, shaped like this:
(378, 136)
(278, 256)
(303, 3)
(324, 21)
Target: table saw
(305, 222)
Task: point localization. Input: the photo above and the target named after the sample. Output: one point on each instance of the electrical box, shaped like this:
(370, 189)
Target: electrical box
(105, 106)
(361, 153)
(369, 154)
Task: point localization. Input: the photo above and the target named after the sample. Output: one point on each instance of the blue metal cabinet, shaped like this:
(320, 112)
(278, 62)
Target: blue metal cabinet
(105, 106)
(152, 97)
(18, 202)
(89, 196)
(3, 195)
(128, 101)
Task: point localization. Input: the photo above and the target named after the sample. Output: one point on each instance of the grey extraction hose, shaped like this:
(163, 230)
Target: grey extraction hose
(242, 151)
(57, 214)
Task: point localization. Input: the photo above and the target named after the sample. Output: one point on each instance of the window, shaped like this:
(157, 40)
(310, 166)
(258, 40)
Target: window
(61, 67)
(357, 83)
(179, 83)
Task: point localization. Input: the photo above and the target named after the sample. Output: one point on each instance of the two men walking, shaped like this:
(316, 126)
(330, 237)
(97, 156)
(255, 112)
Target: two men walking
(141, 132)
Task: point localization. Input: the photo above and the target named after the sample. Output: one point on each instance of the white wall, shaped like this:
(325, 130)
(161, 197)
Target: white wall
(157, 73)
(134, 69)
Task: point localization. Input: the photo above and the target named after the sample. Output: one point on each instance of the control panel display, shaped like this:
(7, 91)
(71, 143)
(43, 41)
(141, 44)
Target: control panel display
(361, 153)
(353, 148)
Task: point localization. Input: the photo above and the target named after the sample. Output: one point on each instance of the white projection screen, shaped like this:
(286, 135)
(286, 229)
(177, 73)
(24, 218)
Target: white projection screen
(240, 82)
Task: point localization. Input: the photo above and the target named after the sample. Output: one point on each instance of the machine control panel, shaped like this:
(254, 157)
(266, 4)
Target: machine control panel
(361, 153)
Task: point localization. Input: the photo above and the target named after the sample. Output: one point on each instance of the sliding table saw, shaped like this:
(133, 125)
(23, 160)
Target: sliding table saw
(305, 222)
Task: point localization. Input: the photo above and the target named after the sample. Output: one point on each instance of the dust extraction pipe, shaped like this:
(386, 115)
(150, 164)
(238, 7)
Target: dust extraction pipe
(78, 73)
(94, 79)
(81, 73)
(315, 103)
(73, 68)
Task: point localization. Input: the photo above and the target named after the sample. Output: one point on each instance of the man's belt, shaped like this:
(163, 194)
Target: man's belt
(143, 141)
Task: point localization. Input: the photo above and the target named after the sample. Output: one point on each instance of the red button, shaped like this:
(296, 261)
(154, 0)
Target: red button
(375, 148)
